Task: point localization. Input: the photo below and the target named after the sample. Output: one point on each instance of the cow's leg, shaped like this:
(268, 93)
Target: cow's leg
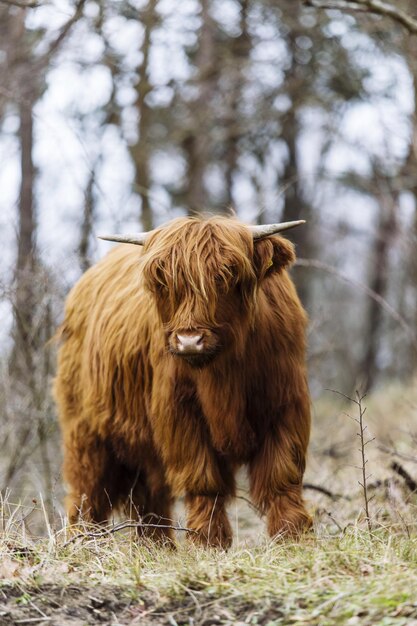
(276, 474)
(192, 466)
(208, 483)
(92, 475)
(150, 502)
(159, 515)
(208, 521)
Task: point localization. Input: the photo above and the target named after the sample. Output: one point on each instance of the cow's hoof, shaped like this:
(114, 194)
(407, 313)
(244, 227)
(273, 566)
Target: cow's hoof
(288, 520)
(219, 537)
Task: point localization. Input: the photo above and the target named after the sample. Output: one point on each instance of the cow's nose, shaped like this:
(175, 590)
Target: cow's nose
(190, 344)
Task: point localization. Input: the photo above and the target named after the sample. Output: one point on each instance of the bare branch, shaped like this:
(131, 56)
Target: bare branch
(361, 435)
(377, 7)
(326, 492)
(251, 505)
(53, 47)
(339, 5)
(358, 401)
(400, 455)
(314, 263)
(122, 526)
(330, 515)
(31, 4)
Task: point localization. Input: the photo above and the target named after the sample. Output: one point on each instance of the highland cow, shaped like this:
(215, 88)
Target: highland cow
(182, 360)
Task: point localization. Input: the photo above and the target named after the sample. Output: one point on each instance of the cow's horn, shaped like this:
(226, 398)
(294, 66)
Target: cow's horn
(270, 229)
(138, 239)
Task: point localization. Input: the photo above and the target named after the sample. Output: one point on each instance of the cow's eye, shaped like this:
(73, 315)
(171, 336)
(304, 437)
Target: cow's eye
(226, 275)
(161, 287)
(222, 283)
(160, 284)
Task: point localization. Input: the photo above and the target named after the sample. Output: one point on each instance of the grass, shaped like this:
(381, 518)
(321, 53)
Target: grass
(352, 577)
(340, 574)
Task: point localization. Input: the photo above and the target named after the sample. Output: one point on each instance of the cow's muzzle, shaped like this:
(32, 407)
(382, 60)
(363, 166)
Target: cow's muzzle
(198, 348)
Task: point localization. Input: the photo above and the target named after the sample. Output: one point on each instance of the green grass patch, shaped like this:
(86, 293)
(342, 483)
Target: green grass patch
(352, 578)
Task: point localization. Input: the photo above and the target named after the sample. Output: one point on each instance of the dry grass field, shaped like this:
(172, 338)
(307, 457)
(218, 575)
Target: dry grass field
(346, 572)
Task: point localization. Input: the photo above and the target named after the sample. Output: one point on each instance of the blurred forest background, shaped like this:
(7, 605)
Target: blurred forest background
(120, 115)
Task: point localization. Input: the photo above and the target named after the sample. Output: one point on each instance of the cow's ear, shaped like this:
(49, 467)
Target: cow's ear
(272, 255)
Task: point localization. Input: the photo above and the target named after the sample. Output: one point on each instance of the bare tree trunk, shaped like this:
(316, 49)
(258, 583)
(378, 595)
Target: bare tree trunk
(410, 172)
(295, 205)
(26, 241)
(378, 282)
(239, 51)
(197, 143)
(22, 360)
(413, 277)
(142, 149)
(87, 224)
(24, 304)
(26, 405)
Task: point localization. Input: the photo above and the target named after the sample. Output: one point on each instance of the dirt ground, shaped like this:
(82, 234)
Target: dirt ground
(61, 604)
(79, 606)
(64, 606)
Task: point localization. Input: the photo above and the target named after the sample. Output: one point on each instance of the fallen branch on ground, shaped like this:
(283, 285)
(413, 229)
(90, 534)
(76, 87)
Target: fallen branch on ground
(400, 455)
(409, 481)
(326, 492)
(122, 526)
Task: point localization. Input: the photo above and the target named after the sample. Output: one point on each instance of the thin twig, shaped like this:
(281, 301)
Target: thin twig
(79, 8)
(33, 620)
(376, 7)
(320, 265)
(122, 526)
(326, 492)
(41, 613)
(21, 4)
(251, 504)
(330, 515)
(363, 443)
(400, 455)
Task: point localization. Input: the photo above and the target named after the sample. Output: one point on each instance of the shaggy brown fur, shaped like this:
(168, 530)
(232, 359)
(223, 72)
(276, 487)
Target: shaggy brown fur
(141, 425)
